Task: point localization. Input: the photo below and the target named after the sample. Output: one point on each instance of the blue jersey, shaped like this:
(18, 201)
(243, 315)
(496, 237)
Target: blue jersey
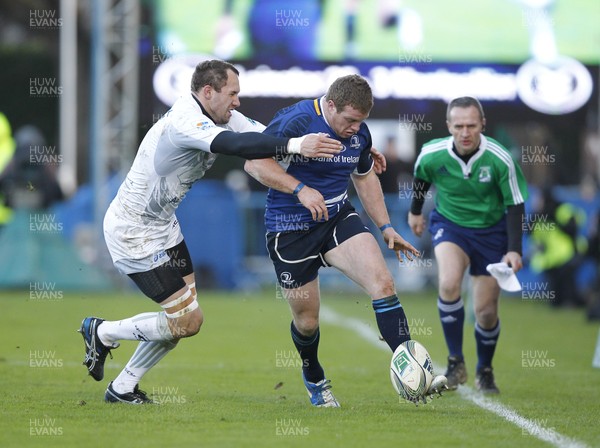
(330, 177)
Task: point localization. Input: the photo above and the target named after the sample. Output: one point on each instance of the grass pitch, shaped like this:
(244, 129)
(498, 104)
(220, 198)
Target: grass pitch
(238, 382)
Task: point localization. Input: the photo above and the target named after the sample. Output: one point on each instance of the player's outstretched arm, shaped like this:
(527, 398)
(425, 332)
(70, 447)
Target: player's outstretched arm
(255, 145)
(269, 173)
(399, 245)
(315, 145)
(370, 195)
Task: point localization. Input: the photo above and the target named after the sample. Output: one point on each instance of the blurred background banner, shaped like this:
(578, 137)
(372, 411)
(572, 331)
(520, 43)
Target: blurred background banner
(91, 77)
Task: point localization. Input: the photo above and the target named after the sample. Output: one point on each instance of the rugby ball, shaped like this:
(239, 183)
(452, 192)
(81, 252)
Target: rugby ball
(411, 370)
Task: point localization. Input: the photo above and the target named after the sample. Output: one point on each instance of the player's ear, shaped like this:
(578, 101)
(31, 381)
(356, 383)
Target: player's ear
(483, 125)
(206, 91)
(448, 124)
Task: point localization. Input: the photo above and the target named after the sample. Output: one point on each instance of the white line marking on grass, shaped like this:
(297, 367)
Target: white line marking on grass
(546, 434)
(536, 430)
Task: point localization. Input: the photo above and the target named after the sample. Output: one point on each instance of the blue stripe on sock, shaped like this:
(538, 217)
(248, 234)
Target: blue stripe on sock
(491, 333)
(386, 304)
(450, 307)
(384, 310)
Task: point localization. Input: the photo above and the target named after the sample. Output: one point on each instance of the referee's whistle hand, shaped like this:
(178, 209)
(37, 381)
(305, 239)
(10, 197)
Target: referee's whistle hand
(514, 260)
(416, 224)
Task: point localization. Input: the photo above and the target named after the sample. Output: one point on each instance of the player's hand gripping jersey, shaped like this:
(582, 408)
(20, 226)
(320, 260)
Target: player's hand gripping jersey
(330, 177)
(174, 154)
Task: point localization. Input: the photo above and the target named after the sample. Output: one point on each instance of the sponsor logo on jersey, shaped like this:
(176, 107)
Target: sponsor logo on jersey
(204, 125)
(443, 170)
(159, 255)
(485, 174)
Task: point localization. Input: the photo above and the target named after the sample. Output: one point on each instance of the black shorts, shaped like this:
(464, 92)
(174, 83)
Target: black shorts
(297, 256)
(166, 279)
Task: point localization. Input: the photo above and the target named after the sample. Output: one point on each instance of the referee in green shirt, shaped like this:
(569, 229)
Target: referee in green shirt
(479, 207)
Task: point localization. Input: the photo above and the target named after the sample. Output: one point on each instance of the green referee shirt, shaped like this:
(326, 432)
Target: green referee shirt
(473, 194)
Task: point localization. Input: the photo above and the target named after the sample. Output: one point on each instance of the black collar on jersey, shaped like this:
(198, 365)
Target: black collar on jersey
(466, 157)
(202, 108)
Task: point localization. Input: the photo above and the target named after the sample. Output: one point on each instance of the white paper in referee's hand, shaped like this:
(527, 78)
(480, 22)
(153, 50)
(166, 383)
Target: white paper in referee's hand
(507, 280)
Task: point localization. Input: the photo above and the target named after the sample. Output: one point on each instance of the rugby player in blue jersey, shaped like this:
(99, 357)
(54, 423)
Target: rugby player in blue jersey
(311, 223)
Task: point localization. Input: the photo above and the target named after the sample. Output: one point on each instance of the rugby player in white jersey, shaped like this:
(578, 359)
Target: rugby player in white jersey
(141, 229)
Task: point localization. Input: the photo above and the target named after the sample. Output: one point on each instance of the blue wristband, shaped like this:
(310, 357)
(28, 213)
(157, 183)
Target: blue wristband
(385, 226)
(298, 188)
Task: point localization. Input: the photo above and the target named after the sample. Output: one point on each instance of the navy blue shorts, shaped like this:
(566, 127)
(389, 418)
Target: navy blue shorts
(482, 246)
(298, 256)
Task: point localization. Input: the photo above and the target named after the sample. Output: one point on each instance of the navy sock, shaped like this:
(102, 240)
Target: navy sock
(391, 321)
(452, 317)
(486, 341)
(307, 347)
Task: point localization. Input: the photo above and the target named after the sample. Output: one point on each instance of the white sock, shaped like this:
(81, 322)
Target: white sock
(143, 327)
(146, 355)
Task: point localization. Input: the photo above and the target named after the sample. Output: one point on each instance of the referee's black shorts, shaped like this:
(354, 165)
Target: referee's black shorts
(297, 256)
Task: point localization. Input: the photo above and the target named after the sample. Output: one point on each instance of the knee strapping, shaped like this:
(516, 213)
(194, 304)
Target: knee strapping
(188, 309)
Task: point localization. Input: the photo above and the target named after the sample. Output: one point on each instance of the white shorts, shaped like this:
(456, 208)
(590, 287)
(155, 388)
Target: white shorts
(137, 247)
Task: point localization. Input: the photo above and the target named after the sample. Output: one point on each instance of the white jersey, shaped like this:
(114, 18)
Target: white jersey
(175, 153)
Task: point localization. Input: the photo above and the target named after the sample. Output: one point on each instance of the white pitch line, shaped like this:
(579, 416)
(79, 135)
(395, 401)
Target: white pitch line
(546, 434)
(536, 430)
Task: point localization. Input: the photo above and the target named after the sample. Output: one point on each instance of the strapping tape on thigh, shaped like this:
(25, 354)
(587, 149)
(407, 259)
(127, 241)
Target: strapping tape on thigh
(179, 300)
(188, 309)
